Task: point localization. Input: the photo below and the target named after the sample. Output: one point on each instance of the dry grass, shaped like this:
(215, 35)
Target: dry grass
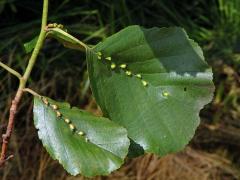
(187, 165)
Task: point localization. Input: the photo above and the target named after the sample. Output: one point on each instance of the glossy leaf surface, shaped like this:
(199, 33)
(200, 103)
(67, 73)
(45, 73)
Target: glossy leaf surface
(152, 81)
(102, 152)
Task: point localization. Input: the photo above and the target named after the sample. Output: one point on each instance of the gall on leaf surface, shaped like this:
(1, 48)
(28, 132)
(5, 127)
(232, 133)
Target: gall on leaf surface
(81, 142)
(159, 101)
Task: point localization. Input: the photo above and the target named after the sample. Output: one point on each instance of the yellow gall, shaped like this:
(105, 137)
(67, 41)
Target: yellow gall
(45, 101)
(108, 58)
(113, 66)
(58, 114)
(165, 94)
(72, 127)
(138, 76)
(54, 107)
(80, 133)
(129, 73)
(67, 121)
(144, 83)
(123, 66)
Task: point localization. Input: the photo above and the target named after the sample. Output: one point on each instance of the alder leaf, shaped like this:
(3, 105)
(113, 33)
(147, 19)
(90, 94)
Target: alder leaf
(29, 46)
(66, 39)
(81, 142)
(153, 82)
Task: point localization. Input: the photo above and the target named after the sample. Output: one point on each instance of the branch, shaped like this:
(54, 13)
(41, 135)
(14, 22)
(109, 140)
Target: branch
(10, 70)
(40, 42)
(7, 135)
(22, 85)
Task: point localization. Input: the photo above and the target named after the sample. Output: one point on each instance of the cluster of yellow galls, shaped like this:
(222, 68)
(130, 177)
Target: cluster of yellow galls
(123, 67)
(66, 120)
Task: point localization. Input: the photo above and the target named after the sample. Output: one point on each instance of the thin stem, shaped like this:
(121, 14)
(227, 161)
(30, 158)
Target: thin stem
(10, 70)
(31, 92)
(40, 42)
(22, 85)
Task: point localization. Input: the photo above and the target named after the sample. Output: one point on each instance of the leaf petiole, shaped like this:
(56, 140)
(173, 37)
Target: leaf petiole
(31, 92)
(10, 70)
(66, 39)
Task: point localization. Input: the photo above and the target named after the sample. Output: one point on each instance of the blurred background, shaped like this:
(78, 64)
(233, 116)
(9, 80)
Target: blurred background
(214, 152)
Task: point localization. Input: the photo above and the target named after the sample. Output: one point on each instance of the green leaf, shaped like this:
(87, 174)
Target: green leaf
(159, 94)
(102, 152)
(66, 39)
(29, 46)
